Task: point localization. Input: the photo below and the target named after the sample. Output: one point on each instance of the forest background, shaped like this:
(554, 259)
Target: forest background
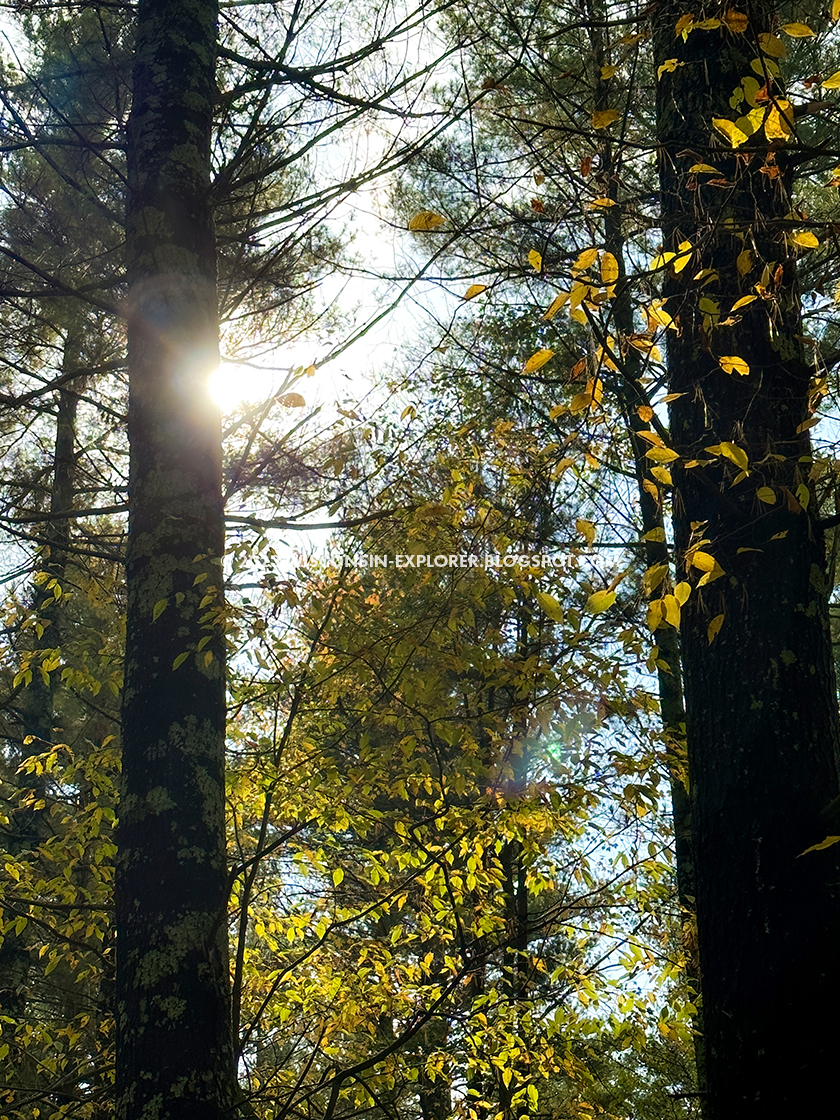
(554, 837)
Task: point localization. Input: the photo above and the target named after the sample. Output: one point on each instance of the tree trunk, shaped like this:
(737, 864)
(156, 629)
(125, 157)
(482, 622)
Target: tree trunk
(761, 706)
(175, 1057)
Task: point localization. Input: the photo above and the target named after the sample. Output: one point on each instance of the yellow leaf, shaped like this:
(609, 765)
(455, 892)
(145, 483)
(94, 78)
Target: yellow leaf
(833, 82)
(651, 437)
(797, 30)
(550, 606)
(661, 260)
(835, 9)
(657, 535)
(732, 133)
(661, 455)
(607, 72)
(714, 626)
(737, 22)
(535, 260)
(600, 601)
(735, 454)
(668, 67)
(806, 424)
(158, 609)
(827, 843)
(602, 202)
(179, 660)
(585, 259)
(743, 301)
(772, 45)
(474, 290)
(338, 877)
(586, 530)
(707, 24)
(672, 397)
(538, 360)
(684, 25)
(777, 124)
(703, 169)
(803, 495)
(559, 300)
(683, 256)
(671, 610)
(609, 268)
(645, 413)
(732, 364)
(804, 239)
(744, 263)
(682, 592)
(663, 475)
(766, 494)
(704, 561)
(426, 220)
(291, 400)
(605, 117)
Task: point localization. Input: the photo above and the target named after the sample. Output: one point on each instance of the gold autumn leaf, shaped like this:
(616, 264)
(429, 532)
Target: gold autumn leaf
(538, 360)
(651, 437)
(663, 475)
(829, 842)
(291, 400)
(586, 529)
(645, 413)
(713, 629)
(585, 259)
(608, 72)
(772, 45)
(535, 260)
(550, 605)
(832, 82)
(737, 22)
(804, 239)
(655, 536)
(766, 494)
(600, 601)
(835, 9)
(668, 67)
(703, 169)
(704, 561)
(807, 424)
(426, 220)
(603, 118)
(744, 262)
(474, 290)
(682, 592)
(797, 30)
(555, 305)
(743, 301)
(733, 364)
(732, 133)
(671, 610)
(777, 124)
(609, 268)
(734, 453)
(661, 455)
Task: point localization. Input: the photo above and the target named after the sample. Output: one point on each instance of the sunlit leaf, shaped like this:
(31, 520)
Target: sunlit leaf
(733, 364)
(559, 300)
(663, 475)
(743, 301)
(535, 260)
(538, 360)
(585, 259)
(682, 592)
(797, 30)
(732, 133)
(474, 290)
(832, 82)
(426, 220)
(804, 239)
(656, 536)
(668, 67)
(291, 400)
(586, 529)
(550, 606)
(703, 169)
(600, 601)
(661, 455)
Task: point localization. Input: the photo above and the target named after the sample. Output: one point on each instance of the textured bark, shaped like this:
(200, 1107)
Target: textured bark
(761, 704)
(173, 1017)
